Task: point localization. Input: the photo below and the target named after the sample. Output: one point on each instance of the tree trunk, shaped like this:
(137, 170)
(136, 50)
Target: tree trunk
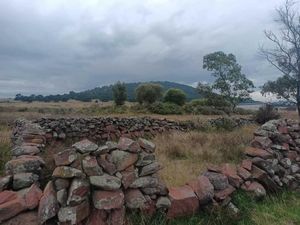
(298, 98)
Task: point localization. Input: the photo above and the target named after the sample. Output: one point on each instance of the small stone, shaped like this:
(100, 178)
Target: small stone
(48, 207)
(23, 180)
(25, 218)
(123, 160)
(145, 159)
(67, 172)
(108, 199)
(230, 171)
(261, 142)
(78, 192)
(150, 169)
(106, 182)
(74, 215)
(62, 196)
(85, 146)
(134, 199)
(127, 144)
(257, 190)
(65, 158)
(90, 166)
(97, 217)
(243, 173)
(146, 145)
(5, 182)
(223, 194)
(247, 164)
(295, 168)
(107, 166)
(25, 150)
(145, 182)
(117, 216)
(286, 163)
(60, 184)
(219, 181)
(257, 152)
(24, 164)
(163, 202)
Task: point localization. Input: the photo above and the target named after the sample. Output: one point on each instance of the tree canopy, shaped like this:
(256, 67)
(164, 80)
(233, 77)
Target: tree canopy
(175, 95)
(148, 93)
(119, 93)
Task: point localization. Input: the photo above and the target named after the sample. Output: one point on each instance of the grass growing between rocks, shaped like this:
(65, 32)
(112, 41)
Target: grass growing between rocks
(281, 209)
(185, 155)
(5, 133)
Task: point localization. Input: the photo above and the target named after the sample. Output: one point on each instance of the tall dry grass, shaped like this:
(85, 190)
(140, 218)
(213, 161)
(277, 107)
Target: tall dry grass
(185, 155)
(5, 133)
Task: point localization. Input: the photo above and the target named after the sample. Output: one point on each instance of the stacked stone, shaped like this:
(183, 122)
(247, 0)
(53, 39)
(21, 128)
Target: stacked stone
(106, 128)
(23, 171)
(271, 163)
(113, 177)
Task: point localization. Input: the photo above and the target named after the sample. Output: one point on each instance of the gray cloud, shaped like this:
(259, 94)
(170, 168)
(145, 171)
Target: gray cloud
(54, 46)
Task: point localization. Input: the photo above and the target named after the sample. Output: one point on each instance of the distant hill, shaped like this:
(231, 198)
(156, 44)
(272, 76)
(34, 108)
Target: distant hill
(104, 93)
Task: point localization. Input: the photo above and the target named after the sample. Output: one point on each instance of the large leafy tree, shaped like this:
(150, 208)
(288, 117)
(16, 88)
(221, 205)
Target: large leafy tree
(285, 53)
(229, 82)
(148, 93)
(175, 95)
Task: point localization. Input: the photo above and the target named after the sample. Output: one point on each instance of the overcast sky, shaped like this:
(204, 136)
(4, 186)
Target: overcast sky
(54, 46)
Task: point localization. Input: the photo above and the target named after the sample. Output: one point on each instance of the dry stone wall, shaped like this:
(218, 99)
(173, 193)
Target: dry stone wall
(96, 184)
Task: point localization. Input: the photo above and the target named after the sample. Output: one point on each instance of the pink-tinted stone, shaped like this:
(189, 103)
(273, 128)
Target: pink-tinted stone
(108, 199)
(11, 208)
(256, 188)
(128, 177)
(48, 207)
(223, 194)
(247, 164)
(67, 172)
(90, 166)
(78, 191)
(26, 218)
(264, 178)
(230, 171)
(202, 188)
(123, 160)
(184, 202)
(108, 166)
(149, 208)
(261, 142)
(134, 199)
(213, 168)
(283, 129)
(75, 214)
(243, 173)
(65, 158)
(147, 146)
(127, 144)
(25, 150)
(257, 152)
(292, 155)
(31, 196)
(97, 217)
(117, 216)
(5, 182)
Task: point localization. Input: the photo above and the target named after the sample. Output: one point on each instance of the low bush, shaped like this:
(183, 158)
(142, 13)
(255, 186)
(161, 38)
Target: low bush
(242, 111)
(165, 108)
(266, 113)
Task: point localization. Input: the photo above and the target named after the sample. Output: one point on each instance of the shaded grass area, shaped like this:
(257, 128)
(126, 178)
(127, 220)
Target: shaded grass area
(5, 133)
(281, 209)
(186, 155)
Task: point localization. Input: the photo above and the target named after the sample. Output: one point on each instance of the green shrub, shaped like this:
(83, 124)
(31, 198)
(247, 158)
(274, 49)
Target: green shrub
(165, 108)
(119, 93)
(241, 111)
(175, 96)
(148, 93)
(266, 113)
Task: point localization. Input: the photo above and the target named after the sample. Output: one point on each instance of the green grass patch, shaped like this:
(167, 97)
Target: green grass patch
(281, 209)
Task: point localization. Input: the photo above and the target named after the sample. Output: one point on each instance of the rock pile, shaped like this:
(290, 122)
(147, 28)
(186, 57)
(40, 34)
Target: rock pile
(106, 128)
(94, 184)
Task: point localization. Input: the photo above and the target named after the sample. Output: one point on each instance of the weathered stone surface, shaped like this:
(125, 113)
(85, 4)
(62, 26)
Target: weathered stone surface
(219, 181)
(97, 217)
(48, 207)
(247, 164)
(117, 216)
(25, 218)
(106, 182)
(5, 182)
(128, 177)
(257, 152)
(146, 145)
(25, 150)
(203, 189)
(85, 146)
(90, 166)
(257, 190)
(230, 171)
(62, 196)
(24, 164)
(134, 199)
(286, 163)
(122, 159)
(223, 194)
(163, 202)
(184, 202)
(65, 157)
(127, 144)
(13, 203)
(61, 183)
(243, 173)
(264, 179)
(23, 180)
(145, 159)
(78, 192)
(261, 142)
(67, 172)
(74, 215)
(150, 169)
(108, 199)
(107, 166)
(145, 182)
